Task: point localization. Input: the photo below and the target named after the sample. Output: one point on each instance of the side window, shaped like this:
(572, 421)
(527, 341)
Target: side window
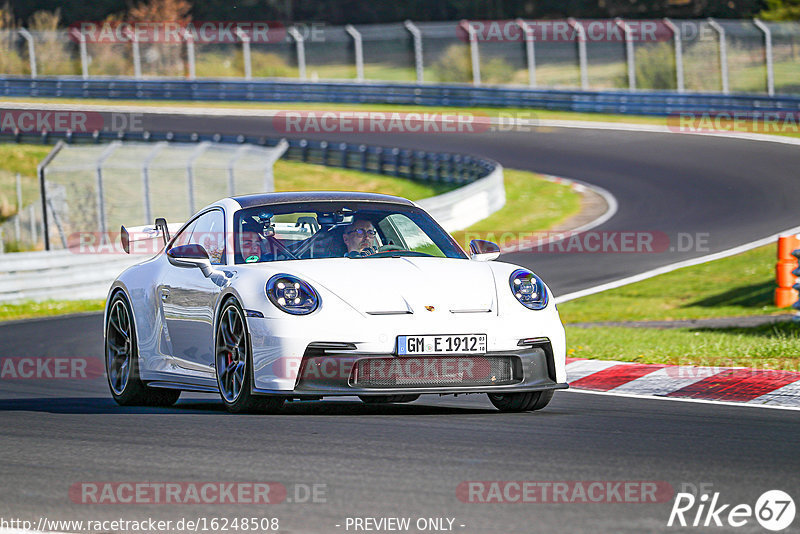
(183, 237)
(410, 236)
(209, 231)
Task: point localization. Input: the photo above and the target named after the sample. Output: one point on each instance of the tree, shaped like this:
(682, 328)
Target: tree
(782, 10)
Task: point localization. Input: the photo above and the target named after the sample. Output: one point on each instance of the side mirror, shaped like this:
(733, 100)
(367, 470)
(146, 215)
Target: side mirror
(191, 256)
(481, 250)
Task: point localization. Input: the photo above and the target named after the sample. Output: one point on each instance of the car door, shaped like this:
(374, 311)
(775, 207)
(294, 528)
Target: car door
(188, 297)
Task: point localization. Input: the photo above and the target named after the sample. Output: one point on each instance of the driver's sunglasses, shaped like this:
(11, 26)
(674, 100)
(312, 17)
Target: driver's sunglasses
(360, 232)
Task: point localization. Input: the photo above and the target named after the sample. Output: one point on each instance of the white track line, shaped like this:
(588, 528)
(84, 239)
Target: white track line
(674, 266)
(683, 399)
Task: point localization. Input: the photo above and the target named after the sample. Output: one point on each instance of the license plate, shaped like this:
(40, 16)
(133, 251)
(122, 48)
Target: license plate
(454, 344)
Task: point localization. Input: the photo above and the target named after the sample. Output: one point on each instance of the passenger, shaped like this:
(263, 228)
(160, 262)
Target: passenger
(250, 245)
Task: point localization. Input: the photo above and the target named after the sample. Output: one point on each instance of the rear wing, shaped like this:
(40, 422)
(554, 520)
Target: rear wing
(160, 229)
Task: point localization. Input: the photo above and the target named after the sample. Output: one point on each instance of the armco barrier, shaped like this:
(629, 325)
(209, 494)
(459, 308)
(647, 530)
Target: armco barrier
(627, 102)
(67, 275)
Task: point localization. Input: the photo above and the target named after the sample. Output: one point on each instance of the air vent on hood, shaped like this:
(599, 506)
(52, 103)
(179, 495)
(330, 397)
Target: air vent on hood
(390, 312)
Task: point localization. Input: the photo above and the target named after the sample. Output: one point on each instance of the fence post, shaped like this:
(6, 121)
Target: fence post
(629, 53)
(529, 50)
(676, 35)
(34, 237)
(231, 168)
(196, 153)
(417, 36)
(473, 52)
(84, 56)
(137, 58)
(580, 35)
(17, 230)
(723, 54)
(148, 214)
(101, 206)
(301, 51)
(768, 52)
(277, 153)
(40, 171)
(245, 39)
(359, 50)
(31, 51)
(190, 54)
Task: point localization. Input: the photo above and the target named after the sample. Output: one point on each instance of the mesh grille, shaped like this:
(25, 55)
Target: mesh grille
(432, 371)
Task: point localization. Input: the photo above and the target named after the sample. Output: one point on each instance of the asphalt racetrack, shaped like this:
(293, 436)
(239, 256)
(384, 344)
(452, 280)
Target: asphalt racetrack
(410, 460)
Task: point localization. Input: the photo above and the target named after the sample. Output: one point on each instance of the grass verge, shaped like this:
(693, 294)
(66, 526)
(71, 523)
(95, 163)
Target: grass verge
(740, 285)
(765, 347)
(47, 308)
(735, 286)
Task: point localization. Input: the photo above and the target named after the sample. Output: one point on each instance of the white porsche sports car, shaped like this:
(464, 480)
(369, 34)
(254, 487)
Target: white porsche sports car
(285, 296)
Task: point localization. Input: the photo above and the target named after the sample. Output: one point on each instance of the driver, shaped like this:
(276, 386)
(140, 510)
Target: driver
(361, 238)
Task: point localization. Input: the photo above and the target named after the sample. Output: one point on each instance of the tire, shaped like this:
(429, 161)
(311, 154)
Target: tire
(385, 399)
(521, 402)
(122, 360)
(233, 364)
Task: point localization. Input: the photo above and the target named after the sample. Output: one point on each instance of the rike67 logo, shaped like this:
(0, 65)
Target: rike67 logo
(774, 510)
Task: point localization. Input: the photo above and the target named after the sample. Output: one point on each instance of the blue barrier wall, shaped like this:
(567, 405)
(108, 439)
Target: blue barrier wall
(639, 102)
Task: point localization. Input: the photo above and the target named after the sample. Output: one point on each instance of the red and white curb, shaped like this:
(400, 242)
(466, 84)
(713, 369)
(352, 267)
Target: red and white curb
(753, 387)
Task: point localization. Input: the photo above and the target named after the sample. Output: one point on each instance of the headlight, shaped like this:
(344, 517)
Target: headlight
(292, 295)
(528, 289)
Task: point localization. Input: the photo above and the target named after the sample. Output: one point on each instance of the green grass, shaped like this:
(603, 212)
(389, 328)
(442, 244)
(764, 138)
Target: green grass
(519, 113)
(19, 159)
(295, 176)
(736, 286)
(766, 347)
(553, 203)
(27, 310)
(740, 285)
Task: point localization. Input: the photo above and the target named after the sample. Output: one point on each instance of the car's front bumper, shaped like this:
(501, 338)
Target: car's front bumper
(331, 372)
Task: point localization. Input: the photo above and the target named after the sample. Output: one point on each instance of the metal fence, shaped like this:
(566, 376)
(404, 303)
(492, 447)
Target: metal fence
(125, 177)
(683, 55)
(93, 189)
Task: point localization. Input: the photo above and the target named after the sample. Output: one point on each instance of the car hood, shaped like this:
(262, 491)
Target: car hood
(385, 286)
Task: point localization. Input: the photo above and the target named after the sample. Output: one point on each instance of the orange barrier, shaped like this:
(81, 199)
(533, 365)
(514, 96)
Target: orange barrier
(787, 244)
(784, 294)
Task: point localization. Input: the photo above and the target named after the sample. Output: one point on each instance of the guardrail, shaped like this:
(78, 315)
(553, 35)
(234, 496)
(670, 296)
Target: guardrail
(625, 102)
(65, 275)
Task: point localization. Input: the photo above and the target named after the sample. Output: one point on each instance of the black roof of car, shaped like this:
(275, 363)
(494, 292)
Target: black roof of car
(291, 197)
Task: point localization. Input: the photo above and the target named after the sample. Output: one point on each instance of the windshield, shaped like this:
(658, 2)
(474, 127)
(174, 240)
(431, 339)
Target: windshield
(338, 230)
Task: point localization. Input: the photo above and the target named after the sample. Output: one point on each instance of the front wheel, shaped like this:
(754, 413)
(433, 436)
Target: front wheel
(521, 402)
(122, 361)
(232, 363)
